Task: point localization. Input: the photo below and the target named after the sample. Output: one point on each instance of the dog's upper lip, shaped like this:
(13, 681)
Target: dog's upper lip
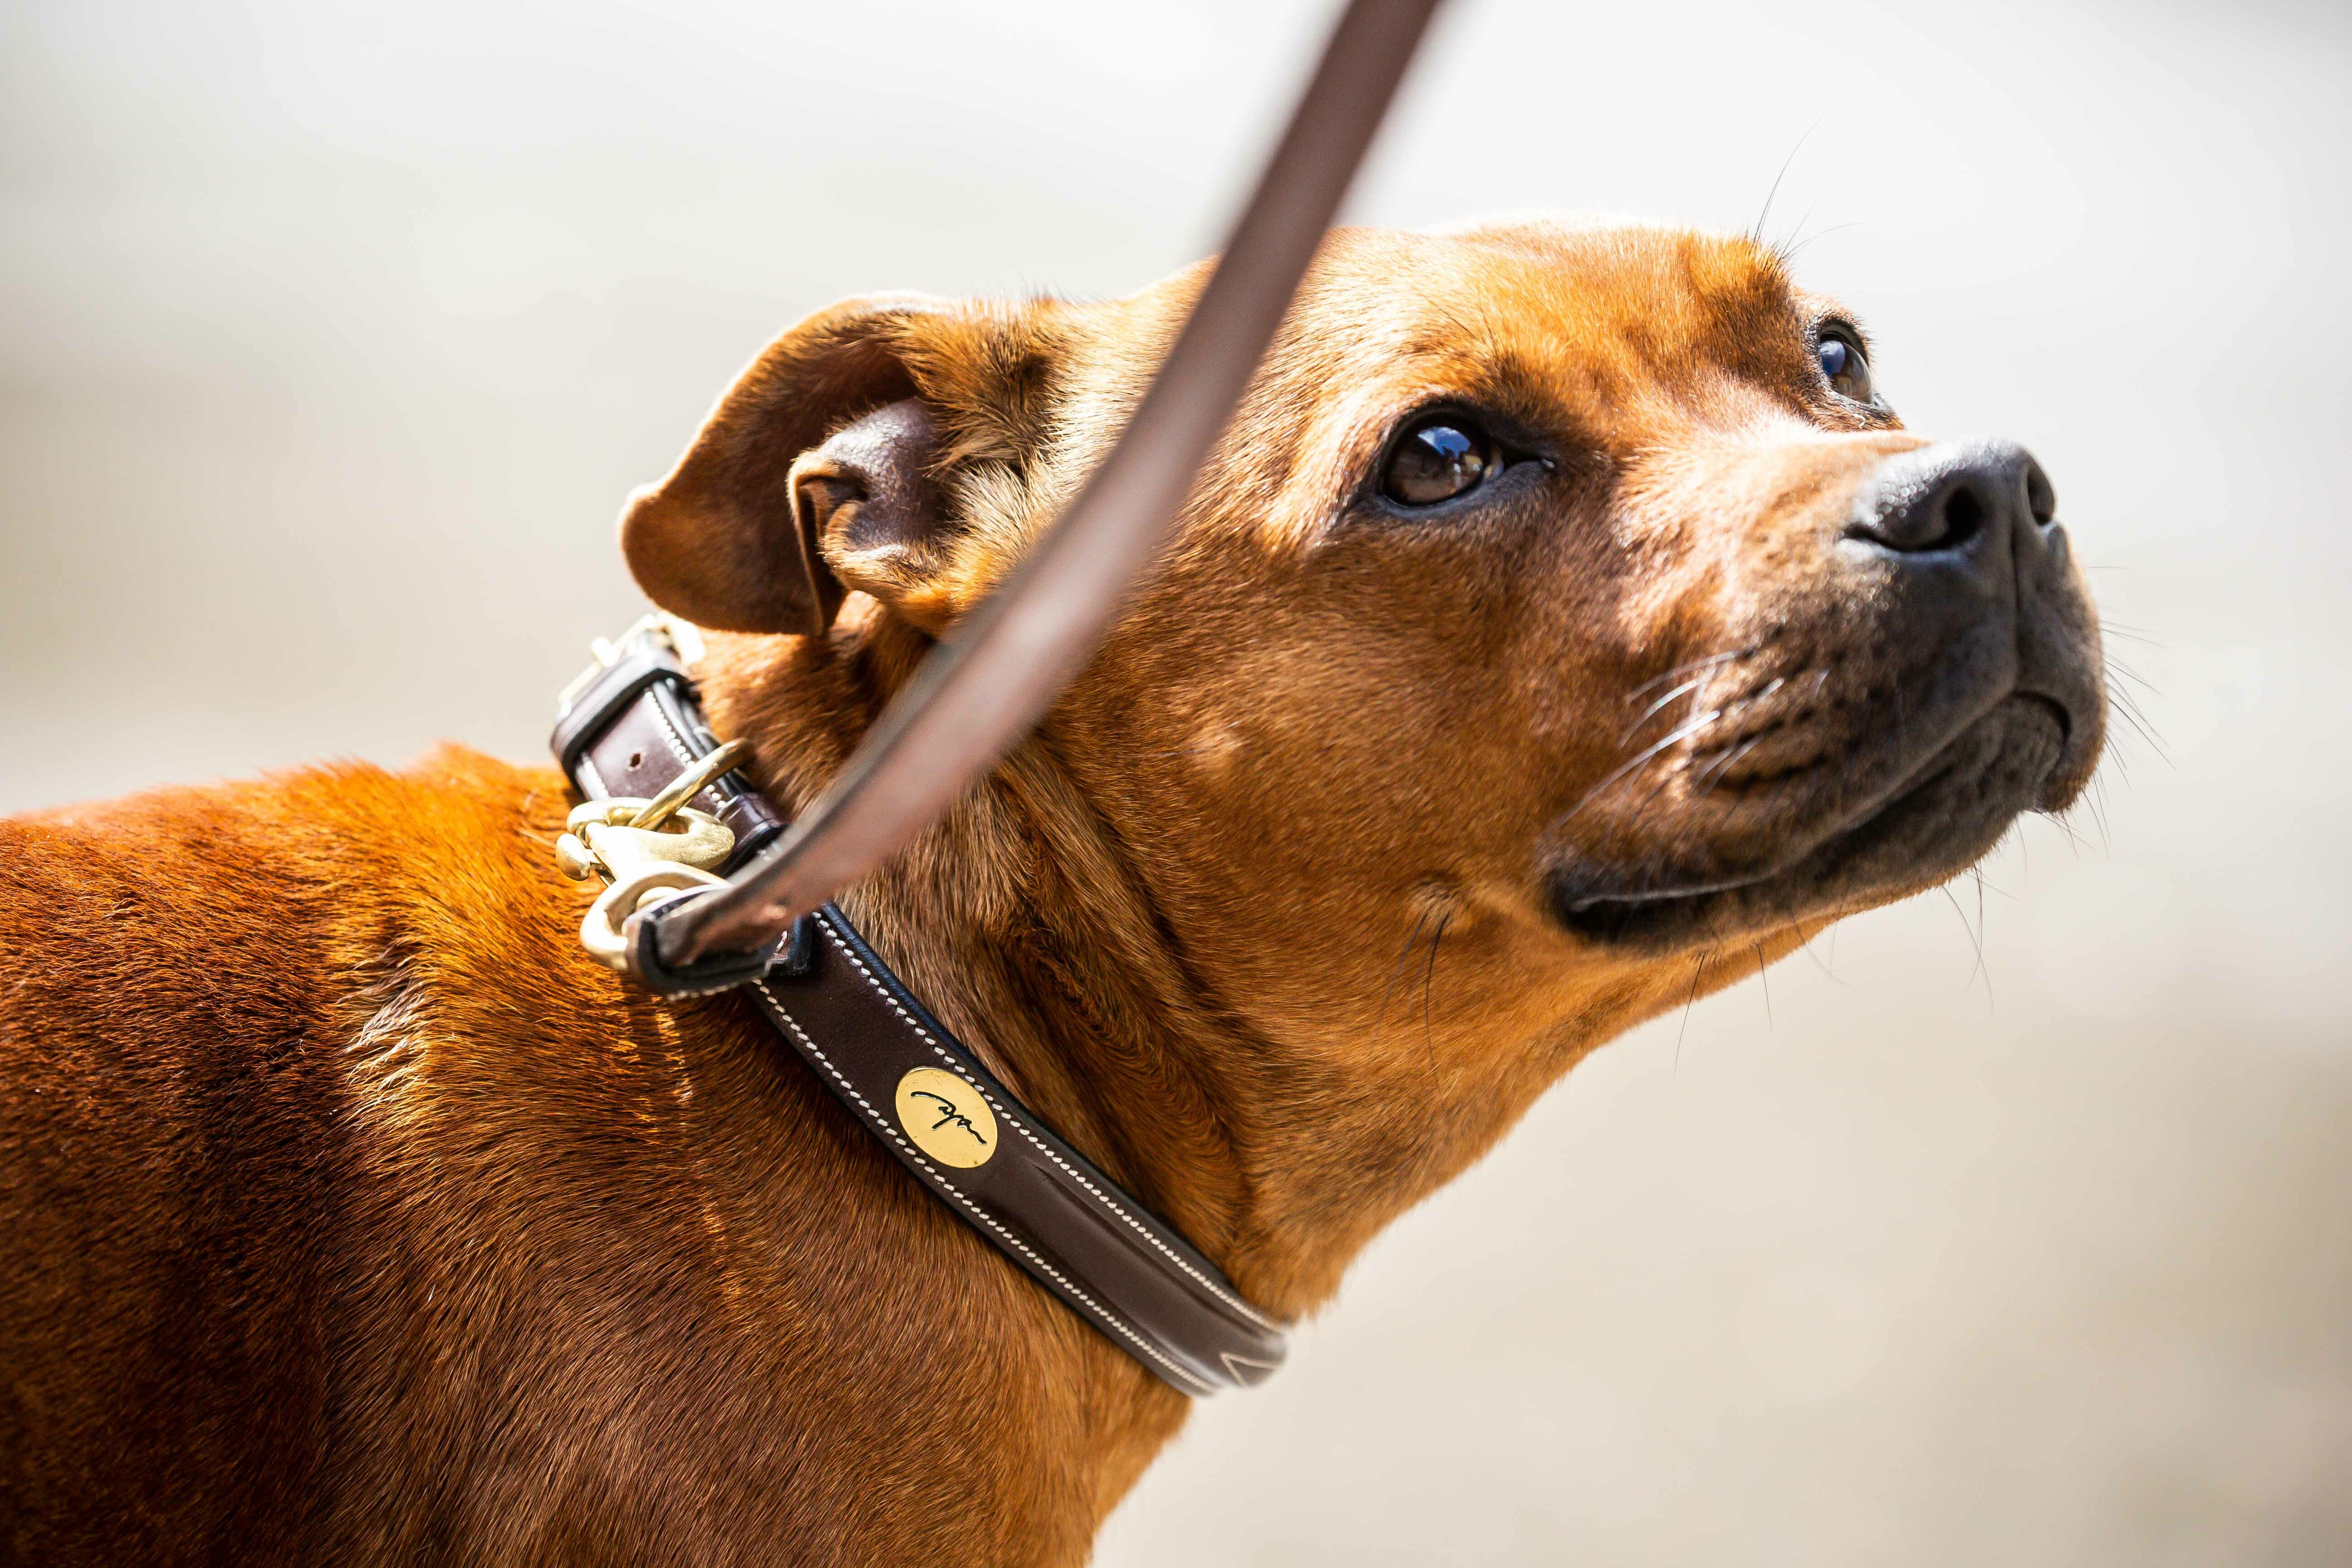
(1943, 812)
(1652, 890)
(1606, 916)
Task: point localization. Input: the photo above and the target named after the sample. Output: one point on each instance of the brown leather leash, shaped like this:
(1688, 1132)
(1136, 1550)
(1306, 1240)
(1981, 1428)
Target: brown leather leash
(982, 689)
(664, 814)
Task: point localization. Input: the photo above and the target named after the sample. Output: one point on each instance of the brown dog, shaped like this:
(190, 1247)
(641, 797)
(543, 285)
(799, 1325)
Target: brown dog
(1564, 629)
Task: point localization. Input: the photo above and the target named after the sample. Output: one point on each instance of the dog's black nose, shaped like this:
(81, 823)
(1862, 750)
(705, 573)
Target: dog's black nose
(1950, 496)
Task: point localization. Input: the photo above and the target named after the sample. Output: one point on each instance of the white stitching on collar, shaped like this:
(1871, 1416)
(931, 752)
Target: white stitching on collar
(1228, 1298)
(977, 1212)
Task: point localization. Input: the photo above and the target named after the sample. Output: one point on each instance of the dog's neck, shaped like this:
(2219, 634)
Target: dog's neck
(1022, 920)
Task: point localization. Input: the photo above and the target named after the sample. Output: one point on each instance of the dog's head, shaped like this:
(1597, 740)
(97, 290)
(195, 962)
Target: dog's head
(1566, 588)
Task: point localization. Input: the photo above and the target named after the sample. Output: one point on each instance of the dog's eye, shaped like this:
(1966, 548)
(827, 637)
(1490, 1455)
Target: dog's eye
(1844, 367)
(1443, 457)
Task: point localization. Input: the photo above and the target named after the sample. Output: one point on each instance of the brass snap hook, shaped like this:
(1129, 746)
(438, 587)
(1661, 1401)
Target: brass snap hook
(611, 837)
(647, 849)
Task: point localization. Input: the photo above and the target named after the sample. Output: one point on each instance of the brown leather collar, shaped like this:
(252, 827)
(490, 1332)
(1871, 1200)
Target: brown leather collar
(634, 726)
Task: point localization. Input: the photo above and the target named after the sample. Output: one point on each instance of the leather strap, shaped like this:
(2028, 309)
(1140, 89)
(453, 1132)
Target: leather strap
(635, 725)
(1009, 657)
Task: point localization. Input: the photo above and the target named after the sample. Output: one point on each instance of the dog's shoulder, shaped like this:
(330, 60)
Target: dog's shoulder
(312, 1068)
(278, 876)
(191, 936)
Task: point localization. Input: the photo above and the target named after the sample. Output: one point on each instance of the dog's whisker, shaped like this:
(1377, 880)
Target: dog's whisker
(1690, 1002)
(1709, 662)
(1756, 232)
(1827, 973)
(2109, 628)
(1654, 708)
(1796, 248)
(2124, 704)
(1975, 940)
(1978, 872)
(1428, 978)
(1787, 248)
(2097, 798)
(1658, 785)
(1713, 773)
(1683, 734)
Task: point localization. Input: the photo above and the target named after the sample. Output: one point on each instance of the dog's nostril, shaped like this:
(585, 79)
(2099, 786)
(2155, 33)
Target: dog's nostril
(2040, 498)
(1963, 520)
(1947, 500)
(636, 760)
(1953, 500)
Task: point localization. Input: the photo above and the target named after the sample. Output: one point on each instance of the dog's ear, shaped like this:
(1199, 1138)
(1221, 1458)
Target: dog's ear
(734, 537)
(870, 510)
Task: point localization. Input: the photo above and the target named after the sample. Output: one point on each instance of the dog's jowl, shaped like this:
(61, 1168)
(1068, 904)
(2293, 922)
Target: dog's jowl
(1566, 627)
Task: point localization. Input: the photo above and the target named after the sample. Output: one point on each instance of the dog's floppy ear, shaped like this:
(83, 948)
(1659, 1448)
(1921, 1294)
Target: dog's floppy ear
(869, 508)
(732, 538)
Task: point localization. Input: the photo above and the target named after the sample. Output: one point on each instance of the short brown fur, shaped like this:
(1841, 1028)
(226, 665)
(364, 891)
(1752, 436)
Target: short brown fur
(350, 1214)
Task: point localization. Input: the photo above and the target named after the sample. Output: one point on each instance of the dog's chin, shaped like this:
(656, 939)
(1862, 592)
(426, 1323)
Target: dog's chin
(1942, 819)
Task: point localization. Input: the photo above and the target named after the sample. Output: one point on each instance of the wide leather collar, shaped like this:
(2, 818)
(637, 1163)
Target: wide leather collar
(631, 726)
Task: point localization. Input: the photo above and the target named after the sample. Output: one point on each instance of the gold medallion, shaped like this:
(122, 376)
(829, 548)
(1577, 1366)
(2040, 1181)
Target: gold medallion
(947, 1118)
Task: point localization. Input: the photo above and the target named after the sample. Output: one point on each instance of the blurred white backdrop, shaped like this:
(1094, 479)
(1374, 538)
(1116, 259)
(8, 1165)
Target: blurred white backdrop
(333, 334)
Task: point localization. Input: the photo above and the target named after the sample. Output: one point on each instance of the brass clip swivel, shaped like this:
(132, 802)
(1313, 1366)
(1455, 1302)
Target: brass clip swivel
(647, 850)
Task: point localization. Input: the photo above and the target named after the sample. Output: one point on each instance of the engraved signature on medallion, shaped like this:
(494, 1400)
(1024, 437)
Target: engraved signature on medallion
(949, 1115)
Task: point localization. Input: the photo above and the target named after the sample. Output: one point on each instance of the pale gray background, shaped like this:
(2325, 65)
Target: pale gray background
(332, 335)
